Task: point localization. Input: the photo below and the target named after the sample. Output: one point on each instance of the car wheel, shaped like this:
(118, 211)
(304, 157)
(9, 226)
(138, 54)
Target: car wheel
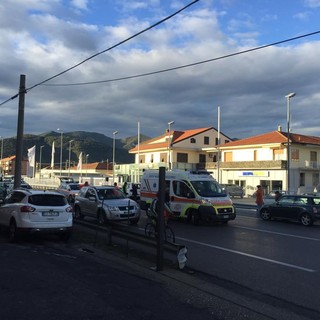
(13, 232)
(102, 217)
(77, 213)
(265, 214)
(306, 219)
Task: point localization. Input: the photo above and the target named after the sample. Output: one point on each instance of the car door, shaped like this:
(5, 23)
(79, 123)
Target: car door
(282, 208)
(91, 202)
(300, 203)
(9, 207)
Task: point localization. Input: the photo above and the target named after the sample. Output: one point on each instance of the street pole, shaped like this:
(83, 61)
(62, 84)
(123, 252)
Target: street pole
(113, 153)
(61, 142)
(19, 145)
(288, 96)
(69, 156)
(169, 145)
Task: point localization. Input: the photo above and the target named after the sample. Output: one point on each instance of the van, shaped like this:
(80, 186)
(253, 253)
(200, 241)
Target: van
(195, 196)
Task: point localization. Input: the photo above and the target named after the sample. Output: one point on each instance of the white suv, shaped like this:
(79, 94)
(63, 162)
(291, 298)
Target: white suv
(36, 211)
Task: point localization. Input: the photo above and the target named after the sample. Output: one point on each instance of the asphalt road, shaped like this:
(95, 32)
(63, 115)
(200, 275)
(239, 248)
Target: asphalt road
(250, 269)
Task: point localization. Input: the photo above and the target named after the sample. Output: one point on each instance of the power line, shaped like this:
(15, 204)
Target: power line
(103, 51)
(187, 65)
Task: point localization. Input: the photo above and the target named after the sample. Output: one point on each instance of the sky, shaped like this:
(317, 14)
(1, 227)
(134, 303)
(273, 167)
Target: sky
(200, 46)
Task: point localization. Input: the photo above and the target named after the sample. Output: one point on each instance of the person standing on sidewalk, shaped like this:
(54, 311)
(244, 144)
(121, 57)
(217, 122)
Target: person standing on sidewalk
(259, 199)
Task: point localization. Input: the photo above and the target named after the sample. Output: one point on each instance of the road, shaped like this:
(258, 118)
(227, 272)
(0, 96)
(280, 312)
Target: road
(272, 261)
(248, 269)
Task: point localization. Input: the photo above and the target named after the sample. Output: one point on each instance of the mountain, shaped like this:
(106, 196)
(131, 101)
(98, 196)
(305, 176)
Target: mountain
(97, 146)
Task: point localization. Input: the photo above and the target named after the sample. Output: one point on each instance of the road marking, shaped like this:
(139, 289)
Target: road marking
(278, 233)
(248, 255)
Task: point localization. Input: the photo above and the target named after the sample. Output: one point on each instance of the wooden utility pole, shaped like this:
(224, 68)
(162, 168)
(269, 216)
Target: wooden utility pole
(19, 145)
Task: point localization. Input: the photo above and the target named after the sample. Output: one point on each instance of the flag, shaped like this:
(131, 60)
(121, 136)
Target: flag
(32, 161)
(52, 155)
(79, 167)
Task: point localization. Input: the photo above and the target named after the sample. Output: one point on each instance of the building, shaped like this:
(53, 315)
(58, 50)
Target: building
(184, 150)
(8, 166)
(262, 159)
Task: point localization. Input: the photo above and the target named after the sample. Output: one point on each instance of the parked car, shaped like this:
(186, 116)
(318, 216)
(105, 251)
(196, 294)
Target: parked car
(69, 190)
(28, 210)
(233, 190)
(106, 203)
(301, 208)
(271, 196)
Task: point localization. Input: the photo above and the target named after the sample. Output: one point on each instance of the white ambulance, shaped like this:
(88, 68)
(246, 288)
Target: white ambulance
(192, 195)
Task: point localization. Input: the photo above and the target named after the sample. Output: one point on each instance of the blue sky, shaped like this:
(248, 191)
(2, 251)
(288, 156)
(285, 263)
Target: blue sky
(40, 38)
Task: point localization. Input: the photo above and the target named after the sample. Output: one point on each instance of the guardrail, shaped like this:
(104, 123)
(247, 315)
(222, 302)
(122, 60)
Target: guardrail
(124, 232)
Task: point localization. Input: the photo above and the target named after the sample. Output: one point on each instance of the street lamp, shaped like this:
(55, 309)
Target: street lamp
(113, 153)
(87, 155)
(169, 145)
(61, 142)
(40, 160)
(70, 156)
(288, 97)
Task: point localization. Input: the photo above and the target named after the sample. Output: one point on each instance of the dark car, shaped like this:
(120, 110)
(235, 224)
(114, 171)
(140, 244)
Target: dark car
(301, 208)
(233, 190)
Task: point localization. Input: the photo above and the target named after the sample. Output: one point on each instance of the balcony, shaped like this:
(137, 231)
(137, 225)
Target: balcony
(245, 165)
(311, 164)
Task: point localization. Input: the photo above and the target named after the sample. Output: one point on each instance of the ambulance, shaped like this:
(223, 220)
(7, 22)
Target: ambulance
(195, 196)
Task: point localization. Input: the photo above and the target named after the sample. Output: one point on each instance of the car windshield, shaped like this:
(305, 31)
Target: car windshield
(208, 188)
(48, 200)
(74, 186)
(110, 193)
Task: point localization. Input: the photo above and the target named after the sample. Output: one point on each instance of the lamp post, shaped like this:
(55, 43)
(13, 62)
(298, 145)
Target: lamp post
(40, 160)
(69, 157)
(87, 155)
(169, 145)
(288, 97)
(113, 153)
(61, 142)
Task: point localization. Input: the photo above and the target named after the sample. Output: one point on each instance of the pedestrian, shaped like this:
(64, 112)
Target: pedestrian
(277, 195)
(124, 188)
(259, 199)
(116, 185)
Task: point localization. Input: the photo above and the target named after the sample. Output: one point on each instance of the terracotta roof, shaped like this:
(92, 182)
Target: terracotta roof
(273, 137)
(177, 136)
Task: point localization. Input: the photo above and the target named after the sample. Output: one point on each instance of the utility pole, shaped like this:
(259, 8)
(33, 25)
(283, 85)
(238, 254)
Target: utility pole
(19, 145)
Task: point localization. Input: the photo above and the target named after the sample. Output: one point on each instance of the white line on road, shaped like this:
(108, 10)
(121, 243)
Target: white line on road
(278, 233)
(248, 255)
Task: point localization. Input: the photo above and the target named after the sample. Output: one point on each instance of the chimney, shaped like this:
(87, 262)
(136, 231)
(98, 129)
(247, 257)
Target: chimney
(279, 128)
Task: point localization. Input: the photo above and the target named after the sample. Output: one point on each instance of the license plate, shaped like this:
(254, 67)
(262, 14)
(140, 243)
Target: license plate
(50, 214)
(225, 216)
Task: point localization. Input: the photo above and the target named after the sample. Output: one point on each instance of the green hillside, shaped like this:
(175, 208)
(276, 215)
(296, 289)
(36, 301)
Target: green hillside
(98, 146)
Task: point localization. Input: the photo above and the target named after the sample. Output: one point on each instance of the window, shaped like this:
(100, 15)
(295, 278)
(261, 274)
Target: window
(182, 157)
(202, 158)
(294, 154)
(302, 179)
(192, 140)
(217, 141)
(315, 179)
(228, 156)
(206, 140)
(313, 156)
(180, 189)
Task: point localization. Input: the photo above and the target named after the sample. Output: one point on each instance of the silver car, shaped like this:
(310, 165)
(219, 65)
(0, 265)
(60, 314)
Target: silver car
(106, 204)
(35, 211)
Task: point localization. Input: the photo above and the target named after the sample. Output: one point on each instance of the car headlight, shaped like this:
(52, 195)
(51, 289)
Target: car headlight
(113, 208)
